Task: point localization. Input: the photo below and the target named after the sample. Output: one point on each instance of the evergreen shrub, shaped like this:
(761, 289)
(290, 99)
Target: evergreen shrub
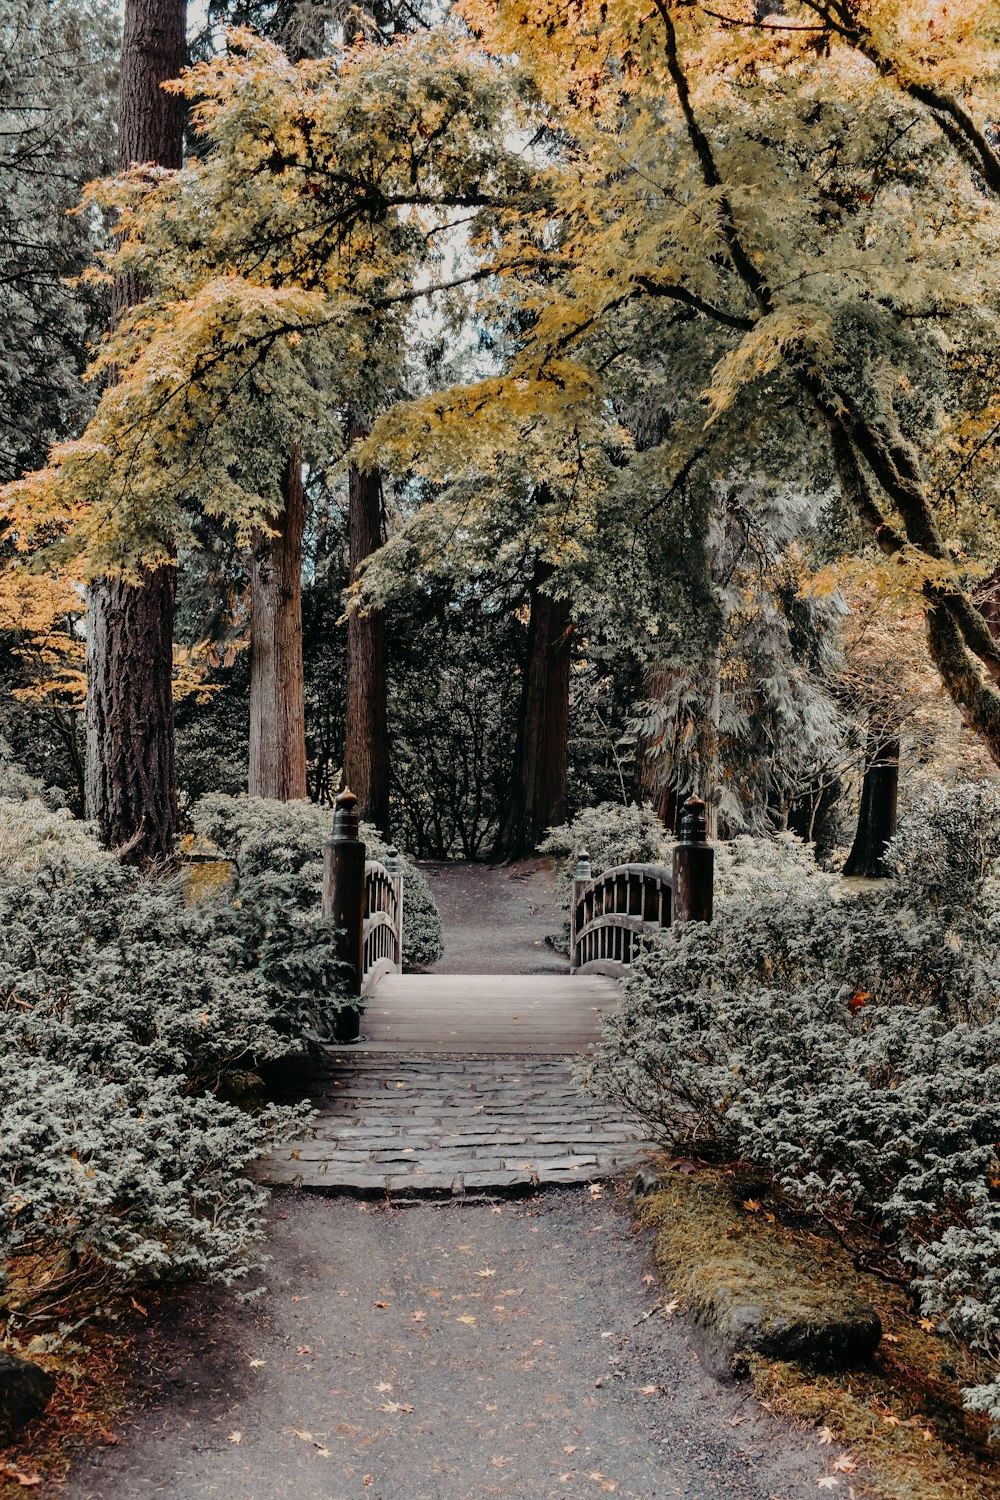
(130, 1024)
(282, 842)
(846, 1041)
(612, 833)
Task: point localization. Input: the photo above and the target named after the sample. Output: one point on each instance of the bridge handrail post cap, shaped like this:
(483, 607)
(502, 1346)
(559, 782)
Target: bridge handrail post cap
(694, 822)
(346, 819)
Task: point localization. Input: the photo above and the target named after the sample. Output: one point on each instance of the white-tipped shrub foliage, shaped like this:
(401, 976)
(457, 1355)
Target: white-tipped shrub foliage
(849, 1044)
(267, 840)
(130, 1024)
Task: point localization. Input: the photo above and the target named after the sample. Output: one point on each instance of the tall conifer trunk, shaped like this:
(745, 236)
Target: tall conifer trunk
(131, 788)
(537, 797)
(277, 681)
(877, 818)
(366, 748)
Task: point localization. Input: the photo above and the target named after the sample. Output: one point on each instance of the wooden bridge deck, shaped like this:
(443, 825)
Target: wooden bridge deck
(527, 1015)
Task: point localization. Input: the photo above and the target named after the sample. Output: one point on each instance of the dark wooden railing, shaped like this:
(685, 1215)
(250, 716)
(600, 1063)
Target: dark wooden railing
(364, 900)
(615, 914)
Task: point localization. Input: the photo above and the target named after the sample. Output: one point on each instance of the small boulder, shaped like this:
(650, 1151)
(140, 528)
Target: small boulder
(25, 1390)
(835, 1333)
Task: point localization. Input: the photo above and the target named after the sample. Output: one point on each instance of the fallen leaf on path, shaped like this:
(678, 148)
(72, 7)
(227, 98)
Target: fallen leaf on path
(367, 1479)
(927, 1435)
(496, 1209)
(595, 1190)
(499, 1461)
(322, 1450)
(649, 1281)
(826, 1434)
(928, 1325)
(828, 1482)
(26, 1481)
(395, 1406)
(235, 1437)
(608, 1485)
(303, 1349)
(844, 1464)
(418, 1316)
(485, 1272)
(139, 1307)
(752, 1206)
(381, 1304)
(669, 1308)
(305, 1437)
(257, 1364)
(569, 1447)
(465, 1318)
(512, 1291)
(890, 1338)
(383, 1386)
(650, 1390)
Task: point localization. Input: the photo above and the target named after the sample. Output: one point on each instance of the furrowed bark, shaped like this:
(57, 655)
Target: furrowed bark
(277, 684)
(537, 796)
(131, 790)
(366, 748)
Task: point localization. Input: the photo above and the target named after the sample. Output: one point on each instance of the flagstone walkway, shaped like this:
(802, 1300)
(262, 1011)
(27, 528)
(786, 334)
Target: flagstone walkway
(463, 1083)
(420, 1126)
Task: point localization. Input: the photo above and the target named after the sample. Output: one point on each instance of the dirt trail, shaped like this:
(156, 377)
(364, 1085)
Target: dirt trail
(497, 917)
(460, 1352)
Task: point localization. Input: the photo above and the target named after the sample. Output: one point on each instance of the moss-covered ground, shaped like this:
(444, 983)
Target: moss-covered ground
(901, 1413)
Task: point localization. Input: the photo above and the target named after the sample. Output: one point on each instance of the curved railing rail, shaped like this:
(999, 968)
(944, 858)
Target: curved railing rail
(615, 914)
(382, 947)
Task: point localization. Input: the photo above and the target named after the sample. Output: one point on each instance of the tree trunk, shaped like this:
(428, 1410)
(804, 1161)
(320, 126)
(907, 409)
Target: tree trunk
(131, 783)
(366, 748)
(877, 818)
(277, 683)
(537, 796)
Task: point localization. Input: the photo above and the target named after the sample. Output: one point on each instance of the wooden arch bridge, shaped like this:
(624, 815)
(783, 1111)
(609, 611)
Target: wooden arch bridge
(614, 914)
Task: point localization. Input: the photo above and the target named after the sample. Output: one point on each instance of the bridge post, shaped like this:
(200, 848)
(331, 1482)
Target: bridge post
(581, 876)
(394, 869)
(694, 865)
(344, 903)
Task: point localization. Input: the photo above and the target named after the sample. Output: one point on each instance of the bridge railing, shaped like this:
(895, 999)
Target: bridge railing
(364, 900)
(615, 914)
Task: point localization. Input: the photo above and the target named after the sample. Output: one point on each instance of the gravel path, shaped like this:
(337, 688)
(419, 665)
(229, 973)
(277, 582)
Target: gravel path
(497, 917)
(460, 1352)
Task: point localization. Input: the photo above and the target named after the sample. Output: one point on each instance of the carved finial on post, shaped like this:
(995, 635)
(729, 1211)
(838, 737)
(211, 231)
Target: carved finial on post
(391, 860)
(581, 879)
(694, 865)
(344, 903)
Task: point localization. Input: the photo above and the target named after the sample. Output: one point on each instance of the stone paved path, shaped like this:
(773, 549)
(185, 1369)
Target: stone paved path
(427, 1125)
(420, 1110)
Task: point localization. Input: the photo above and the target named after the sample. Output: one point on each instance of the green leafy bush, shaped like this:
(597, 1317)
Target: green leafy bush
(130, 1022)
(849, 1044)
(265, 839)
